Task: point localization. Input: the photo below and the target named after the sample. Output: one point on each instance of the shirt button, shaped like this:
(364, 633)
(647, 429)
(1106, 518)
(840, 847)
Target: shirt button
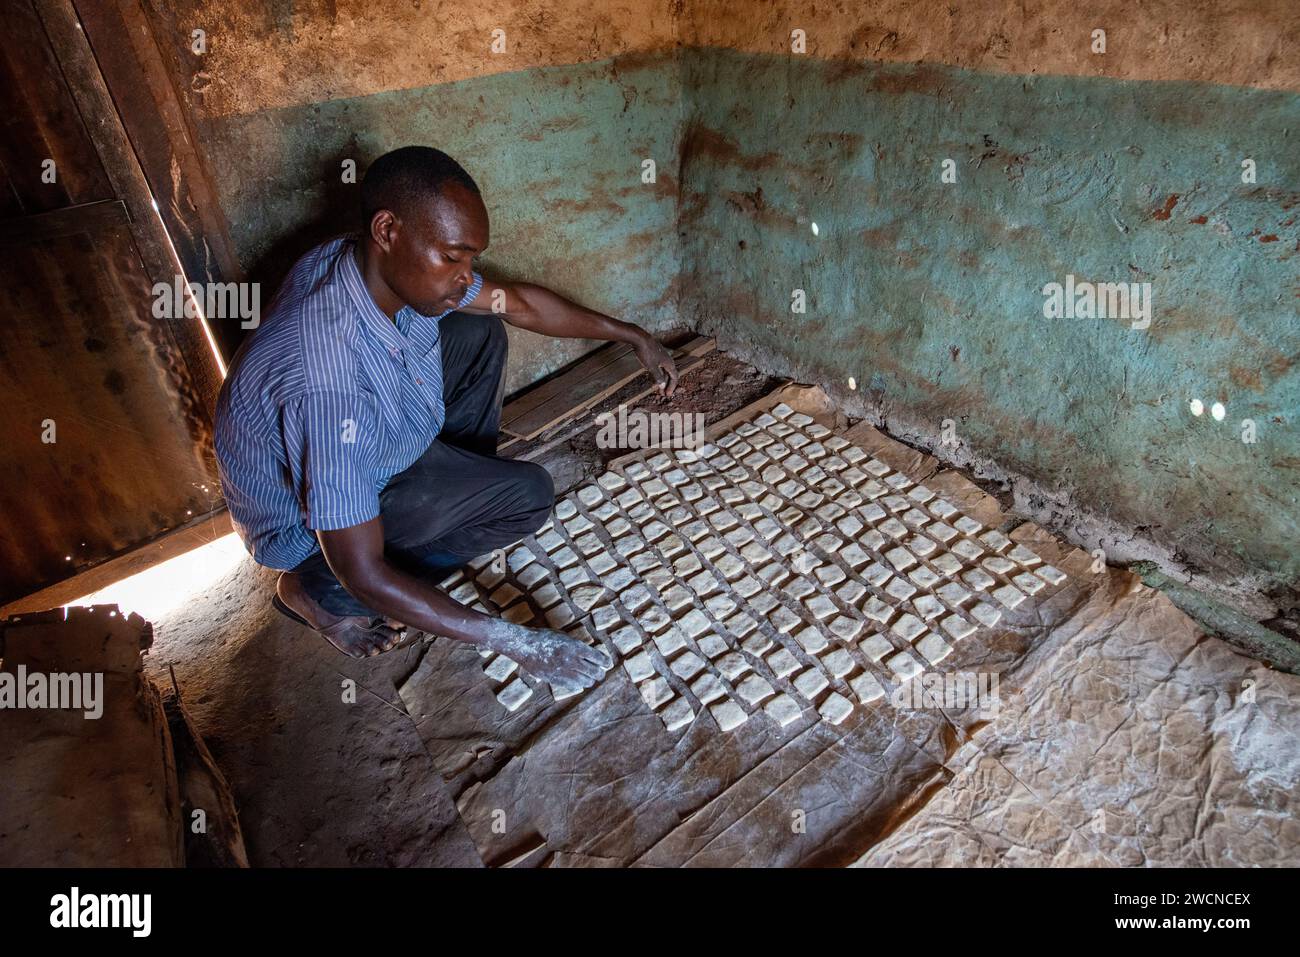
(419, 382)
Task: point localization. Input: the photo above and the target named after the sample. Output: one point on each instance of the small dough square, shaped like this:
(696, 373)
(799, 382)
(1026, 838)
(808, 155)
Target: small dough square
(670, 642)
(500, 668)
(835, 708)
(941, 531)
(946, 564)
(686, 665)
(711, 645)
(1051, 574)
(783, 709)
(514, 694)
(732, 665)
(1009, 595)
(994, 540)
(708, 688)
(876, 573)
(812, 640)
(820, 607)
(851, 592)
(729, 715)
(928, 607)
(904, 666)
(867, 687)
(677, 715)
(783, 663)
(907, 627)
(934, 648)
(839, 662)
(655, 692)
(755, 689)
(900, 589)
(954, 594)
(986, 614)
(845, 628)
(877, 610)
(1023, 556)
(998, 565)
(639, 667)
(875, 646)
(957, 626)
(811, 683)
(1031, 584)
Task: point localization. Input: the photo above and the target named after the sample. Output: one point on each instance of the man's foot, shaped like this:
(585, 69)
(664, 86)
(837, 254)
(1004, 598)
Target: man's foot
(357, 636)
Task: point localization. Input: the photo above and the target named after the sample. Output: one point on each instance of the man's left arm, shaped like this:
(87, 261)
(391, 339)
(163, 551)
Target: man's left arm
(538, 309)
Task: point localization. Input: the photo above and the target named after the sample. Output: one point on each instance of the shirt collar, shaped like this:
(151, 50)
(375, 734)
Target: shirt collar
(371, 315)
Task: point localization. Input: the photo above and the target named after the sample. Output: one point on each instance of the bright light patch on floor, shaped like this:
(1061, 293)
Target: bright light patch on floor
(815, 230)
(156, 591)
(1218, 411)
(1198, 407)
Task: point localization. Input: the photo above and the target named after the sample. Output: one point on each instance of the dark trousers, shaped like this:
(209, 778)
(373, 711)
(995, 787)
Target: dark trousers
(458, 500)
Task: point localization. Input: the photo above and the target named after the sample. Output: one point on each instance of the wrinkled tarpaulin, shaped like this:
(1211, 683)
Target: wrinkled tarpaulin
(1124, 737)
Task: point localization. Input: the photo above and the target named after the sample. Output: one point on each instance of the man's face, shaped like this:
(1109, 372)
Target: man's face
(431, 252)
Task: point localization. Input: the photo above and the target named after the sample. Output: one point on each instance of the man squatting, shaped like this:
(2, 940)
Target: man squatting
(356, 432)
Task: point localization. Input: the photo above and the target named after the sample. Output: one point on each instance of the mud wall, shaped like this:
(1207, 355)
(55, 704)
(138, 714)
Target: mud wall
(1122, 166)
(1119, 167)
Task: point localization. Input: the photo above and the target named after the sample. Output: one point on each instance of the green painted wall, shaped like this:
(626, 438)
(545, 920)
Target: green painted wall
(930, 295)
(556, 152)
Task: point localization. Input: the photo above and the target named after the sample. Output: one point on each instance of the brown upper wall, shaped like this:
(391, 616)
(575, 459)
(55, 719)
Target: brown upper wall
(301, 53)
(1236, 42)
(290, 54)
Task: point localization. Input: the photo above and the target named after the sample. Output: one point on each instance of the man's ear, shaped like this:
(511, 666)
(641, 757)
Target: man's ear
(383, 229)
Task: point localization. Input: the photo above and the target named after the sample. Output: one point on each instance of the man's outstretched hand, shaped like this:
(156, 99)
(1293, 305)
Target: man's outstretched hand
(565, 663)
(660, 364)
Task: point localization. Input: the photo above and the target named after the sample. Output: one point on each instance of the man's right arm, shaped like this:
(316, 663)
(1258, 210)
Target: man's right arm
(356, 556)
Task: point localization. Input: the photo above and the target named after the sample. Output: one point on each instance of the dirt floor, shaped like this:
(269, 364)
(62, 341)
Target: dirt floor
(1124, 736)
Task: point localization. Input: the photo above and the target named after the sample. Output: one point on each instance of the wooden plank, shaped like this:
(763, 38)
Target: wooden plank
(84, 218)
(533, 454)
(578, 396)
(144, 91)
(199, 374)
(39, 121)
(195, 534)
(558, 385)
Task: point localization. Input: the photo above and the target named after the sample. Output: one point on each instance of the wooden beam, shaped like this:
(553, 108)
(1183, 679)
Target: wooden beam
(201, 531)
(581, 388)
(83, 218)
(200, 375)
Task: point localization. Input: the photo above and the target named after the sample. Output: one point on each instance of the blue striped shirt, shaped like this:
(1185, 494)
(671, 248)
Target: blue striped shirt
(325, 402)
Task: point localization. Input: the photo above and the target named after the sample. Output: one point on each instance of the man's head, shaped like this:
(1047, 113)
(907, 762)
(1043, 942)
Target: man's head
(424, 222)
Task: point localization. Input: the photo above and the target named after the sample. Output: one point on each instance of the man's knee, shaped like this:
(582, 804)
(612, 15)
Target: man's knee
(482, 336)
(536, 489)
(496, 338)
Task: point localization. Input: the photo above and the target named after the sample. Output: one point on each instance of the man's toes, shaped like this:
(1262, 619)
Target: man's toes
(352, 645)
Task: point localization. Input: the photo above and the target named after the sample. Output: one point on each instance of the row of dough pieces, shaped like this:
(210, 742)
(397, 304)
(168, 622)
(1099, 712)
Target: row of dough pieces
(755, 688)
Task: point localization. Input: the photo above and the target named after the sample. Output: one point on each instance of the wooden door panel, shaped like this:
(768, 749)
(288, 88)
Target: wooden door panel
(83, 360)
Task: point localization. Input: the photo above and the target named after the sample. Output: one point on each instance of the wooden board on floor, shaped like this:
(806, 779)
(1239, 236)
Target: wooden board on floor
(587, 384)
(590, 366)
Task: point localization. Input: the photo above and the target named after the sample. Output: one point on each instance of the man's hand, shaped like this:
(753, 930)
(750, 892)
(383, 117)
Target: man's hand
(564, 663)
(538, 309)
(659, 363)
